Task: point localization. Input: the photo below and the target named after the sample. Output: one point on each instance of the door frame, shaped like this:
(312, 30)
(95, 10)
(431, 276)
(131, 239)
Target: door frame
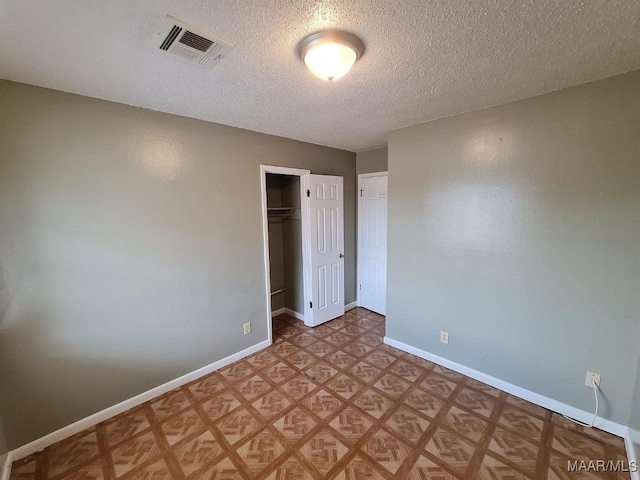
(359, 228)
(306, 273)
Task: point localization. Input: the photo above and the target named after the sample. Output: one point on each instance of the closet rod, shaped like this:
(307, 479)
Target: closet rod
(282, 212)
(278, 291)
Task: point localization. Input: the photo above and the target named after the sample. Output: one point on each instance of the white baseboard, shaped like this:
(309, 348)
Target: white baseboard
(300, 316)
(545, 402)
(65, 432)
(630, 441)
(294, 314)
(5, 464)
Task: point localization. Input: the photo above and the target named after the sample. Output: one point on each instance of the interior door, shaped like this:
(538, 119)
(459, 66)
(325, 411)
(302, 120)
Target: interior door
(372, 248)
(326, 214)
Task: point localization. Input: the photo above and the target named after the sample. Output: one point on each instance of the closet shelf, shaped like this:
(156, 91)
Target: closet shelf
(280, 212)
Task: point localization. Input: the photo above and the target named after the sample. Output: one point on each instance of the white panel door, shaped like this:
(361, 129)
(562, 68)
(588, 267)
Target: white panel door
(326, 211)
(372, 248)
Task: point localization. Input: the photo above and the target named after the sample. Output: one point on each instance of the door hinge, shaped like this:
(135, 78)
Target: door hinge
(361, 190)
(308, 192)
(310, 304)
(360, 286)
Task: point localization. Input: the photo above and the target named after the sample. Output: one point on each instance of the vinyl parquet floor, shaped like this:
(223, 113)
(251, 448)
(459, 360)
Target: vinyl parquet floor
(332, 402)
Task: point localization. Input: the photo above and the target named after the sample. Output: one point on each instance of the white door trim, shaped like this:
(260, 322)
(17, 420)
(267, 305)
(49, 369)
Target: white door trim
(5, 466)
(306, 248)
(296, 172)
(358, 273)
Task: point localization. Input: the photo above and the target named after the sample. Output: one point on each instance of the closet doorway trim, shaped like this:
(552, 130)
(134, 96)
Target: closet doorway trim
(296, 172)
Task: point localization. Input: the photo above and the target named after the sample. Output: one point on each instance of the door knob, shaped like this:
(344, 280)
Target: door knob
(342, 255)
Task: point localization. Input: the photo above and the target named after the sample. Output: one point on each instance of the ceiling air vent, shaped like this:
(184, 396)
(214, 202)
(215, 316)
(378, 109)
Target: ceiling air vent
(188, 42)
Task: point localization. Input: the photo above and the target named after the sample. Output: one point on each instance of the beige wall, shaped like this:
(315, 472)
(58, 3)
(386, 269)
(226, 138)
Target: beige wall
(517, 229)
(372, 161)
(131, 249)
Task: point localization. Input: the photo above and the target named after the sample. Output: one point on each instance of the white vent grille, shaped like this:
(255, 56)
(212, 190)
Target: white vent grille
(190, 43)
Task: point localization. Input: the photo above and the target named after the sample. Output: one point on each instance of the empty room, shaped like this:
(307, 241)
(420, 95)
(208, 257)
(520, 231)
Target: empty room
(319, 239)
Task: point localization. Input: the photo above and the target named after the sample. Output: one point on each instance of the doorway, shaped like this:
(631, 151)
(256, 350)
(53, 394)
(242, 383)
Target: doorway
(372, 241)
(303, 236)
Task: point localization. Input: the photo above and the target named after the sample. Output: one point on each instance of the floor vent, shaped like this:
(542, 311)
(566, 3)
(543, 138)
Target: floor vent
(176, 37)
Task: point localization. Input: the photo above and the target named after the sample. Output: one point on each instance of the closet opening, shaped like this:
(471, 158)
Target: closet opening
(303, 238)
(285, 245)
(285, 265)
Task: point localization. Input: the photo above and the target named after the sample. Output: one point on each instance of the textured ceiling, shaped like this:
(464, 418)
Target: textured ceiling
(424, 59)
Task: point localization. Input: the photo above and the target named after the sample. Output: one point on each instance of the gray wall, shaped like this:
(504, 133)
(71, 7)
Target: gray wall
(517, 229)
(372, 161)
(131, 249)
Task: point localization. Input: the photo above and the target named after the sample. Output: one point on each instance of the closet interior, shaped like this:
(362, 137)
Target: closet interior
(285, 244)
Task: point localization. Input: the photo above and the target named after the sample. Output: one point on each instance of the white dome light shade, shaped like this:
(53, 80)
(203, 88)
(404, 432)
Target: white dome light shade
(330, 61)
(330, 54)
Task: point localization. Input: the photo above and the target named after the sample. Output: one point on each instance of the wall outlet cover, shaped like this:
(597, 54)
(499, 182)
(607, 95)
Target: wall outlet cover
(444, 337)
(247, 328)
(592, 377)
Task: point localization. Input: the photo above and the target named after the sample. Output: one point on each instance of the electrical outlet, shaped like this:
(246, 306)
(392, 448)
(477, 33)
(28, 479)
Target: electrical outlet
(247, 328)
(444, 337)
(592, 377)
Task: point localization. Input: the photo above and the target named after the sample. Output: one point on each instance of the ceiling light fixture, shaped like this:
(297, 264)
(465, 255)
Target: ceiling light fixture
(330, 54)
